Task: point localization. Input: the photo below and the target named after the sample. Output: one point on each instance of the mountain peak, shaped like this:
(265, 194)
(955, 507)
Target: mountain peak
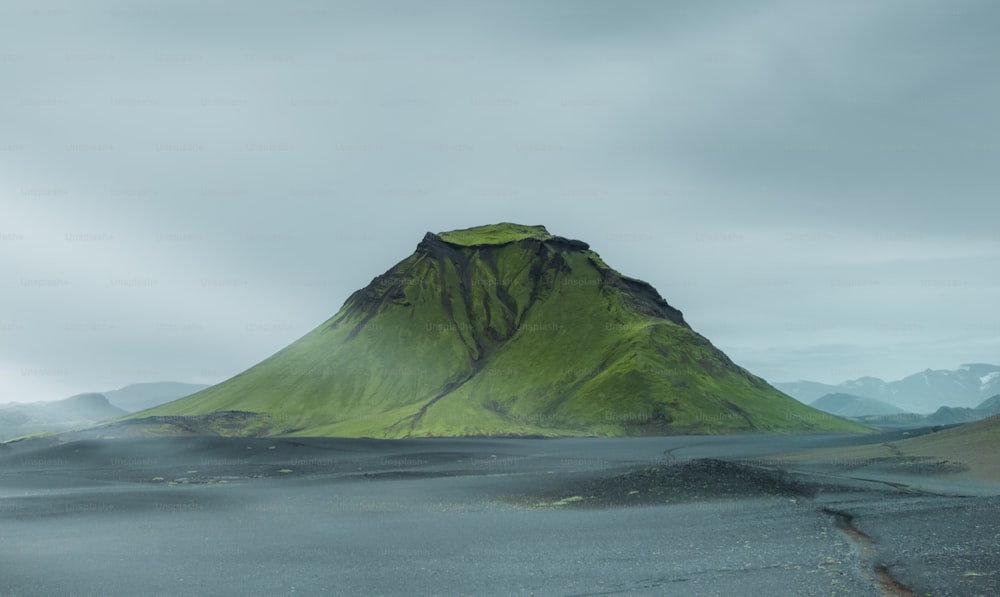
(492, 234)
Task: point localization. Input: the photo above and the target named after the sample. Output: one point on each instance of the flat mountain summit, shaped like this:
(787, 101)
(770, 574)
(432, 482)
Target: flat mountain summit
(500, 330)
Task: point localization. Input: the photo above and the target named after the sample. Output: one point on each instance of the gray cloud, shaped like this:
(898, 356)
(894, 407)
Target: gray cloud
(190, 187)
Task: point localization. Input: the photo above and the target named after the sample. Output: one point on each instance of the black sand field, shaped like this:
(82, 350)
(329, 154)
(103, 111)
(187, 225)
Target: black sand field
(652, 516)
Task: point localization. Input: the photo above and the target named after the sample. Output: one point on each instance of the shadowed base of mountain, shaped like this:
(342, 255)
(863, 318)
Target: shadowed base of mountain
(235, 423)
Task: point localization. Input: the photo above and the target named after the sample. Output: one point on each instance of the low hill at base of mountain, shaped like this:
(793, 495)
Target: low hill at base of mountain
(140, 396)
(951, 415)
(502, 330)
(880, 414)
(973, 443)
(964, 451)
(848, 405)
(38, 417)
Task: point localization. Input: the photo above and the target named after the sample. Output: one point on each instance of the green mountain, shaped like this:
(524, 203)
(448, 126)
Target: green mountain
(499, 330)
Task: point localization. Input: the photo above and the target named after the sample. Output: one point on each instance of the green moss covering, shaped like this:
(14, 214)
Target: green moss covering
(497, 331)
(496, 234)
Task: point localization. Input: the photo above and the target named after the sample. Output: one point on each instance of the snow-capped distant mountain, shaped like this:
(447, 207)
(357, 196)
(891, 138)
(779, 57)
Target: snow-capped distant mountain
(922, 392)
(990, 381)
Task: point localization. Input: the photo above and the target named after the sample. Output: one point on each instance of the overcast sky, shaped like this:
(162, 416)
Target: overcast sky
(187, 187)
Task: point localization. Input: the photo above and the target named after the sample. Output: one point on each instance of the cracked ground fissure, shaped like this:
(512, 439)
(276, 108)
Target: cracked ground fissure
(874, 571)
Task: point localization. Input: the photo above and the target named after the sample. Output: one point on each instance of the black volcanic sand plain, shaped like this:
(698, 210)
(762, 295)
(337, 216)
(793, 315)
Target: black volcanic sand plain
(692, 515)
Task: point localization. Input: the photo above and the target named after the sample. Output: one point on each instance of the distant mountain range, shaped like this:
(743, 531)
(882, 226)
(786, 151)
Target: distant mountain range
(923, 392)
(82, 410)
(878, 413)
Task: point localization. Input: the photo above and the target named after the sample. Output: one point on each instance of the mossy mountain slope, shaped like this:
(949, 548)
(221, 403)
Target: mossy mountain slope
(503, 330)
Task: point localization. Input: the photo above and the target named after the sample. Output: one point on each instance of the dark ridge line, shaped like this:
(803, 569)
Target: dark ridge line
(363, 298)
(523, 313)
(449, 308)
(448, 389)
(510, 317)
(460, 262)
(900, 486)
(876, 572)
